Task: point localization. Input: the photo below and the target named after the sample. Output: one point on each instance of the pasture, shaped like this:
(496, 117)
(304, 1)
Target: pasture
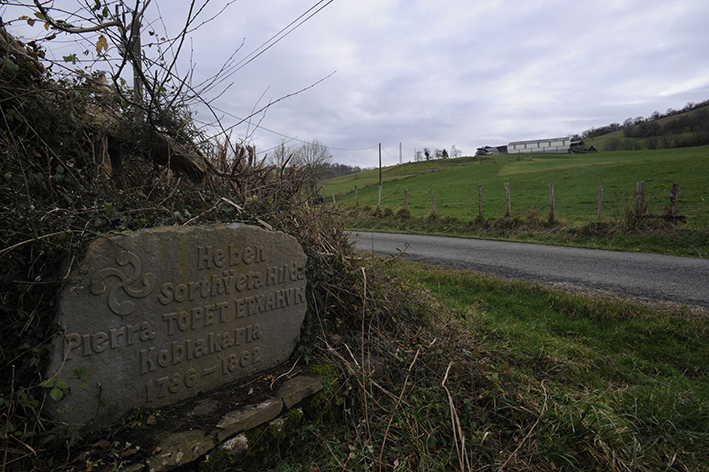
(576, 179)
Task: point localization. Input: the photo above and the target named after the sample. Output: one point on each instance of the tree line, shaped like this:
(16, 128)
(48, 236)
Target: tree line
(648, 125)
(428, 155)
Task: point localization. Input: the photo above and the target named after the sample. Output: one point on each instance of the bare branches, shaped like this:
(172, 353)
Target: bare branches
(61, 26)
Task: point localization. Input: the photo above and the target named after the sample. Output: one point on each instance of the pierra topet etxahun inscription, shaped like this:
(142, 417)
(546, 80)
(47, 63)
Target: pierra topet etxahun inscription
(159, 315)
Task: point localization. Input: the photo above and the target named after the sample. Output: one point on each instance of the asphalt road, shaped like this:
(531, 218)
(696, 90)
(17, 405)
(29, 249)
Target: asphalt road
(646, 276)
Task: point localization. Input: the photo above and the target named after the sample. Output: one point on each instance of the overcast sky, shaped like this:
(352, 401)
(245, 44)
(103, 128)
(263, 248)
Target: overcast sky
(448, 72)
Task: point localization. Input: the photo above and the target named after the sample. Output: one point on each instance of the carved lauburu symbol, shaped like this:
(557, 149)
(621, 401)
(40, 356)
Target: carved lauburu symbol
(100, 280)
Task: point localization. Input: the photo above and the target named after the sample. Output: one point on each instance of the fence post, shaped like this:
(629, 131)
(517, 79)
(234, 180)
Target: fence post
(640, 200)
(600, 201)
(356, 196)
(480, 201)
(673, 200)
(433, 201)
(507, 196)
(552, 204)
(406, 199)
(333, 199)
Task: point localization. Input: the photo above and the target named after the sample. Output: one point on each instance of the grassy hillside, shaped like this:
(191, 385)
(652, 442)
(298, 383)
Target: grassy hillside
(658, 133)
(576, 180)
(346, 183)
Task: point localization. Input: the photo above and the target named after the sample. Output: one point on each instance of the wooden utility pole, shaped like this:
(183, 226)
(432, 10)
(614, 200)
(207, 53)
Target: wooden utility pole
(406, 199)
(356, 197)
(433, 202)
(379, 202)
(552, 204)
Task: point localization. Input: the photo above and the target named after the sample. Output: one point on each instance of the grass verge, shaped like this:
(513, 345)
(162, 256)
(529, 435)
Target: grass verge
(451, 370)
(624, 234)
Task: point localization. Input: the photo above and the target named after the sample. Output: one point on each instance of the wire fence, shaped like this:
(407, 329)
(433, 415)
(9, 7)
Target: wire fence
(605, 203)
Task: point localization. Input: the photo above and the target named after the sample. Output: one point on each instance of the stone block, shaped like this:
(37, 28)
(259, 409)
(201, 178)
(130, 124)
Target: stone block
(298, 388)
(242, 420)
(178, 449)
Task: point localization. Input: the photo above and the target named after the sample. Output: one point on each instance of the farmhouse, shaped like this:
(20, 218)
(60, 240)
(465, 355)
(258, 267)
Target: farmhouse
(547, 146)
(491, 150)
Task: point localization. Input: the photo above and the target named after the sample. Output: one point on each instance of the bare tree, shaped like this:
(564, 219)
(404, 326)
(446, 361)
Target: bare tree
(455, 152)
(164, 95)
(313, 156)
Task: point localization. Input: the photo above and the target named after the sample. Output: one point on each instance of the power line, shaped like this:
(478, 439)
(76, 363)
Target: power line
(272, 41)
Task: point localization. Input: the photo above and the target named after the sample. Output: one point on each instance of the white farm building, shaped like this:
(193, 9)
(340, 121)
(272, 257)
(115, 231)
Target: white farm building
(547, 146)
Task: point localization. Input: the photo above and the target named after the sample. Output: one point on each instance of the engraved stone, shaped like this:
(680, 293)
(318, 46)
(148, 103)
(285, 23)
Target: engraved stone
(159, 315)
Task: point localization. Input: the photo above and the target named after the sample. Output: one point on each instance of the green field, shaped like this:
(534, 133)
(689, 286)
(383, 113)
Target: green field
(576, 179)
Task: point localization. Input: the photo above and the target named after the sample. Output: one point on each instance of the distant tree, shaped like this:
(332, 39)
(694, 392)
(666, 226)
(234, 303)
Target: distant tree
(438, 154)
(418, 156)
(312, 156)
(427, 153)
(444, 154)
(455, 152)
(613, 144)
(631, 145)
(631, 132)
(336, 170)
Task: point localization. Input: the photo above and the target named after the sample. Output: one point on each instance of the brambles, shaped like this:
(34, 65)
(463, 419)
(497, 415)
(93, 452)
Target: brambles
(77, 162)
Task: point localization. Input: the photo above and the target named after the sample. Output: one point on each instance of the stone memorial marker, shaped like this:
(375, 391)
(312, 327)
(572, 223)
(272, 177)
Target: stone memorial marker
(159, 315)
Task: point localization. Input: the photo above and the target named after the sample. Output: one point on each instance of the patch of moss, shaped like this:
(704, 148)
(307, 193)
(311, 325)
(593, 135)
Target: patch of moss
(286, 430)
(321, 370)
(220, 461)
(327, 404)
(269, 442)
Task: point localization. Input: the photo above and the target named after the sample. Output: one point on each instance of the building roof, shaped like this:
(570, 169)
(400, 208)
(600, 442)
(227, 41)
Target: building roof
(534, 141)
